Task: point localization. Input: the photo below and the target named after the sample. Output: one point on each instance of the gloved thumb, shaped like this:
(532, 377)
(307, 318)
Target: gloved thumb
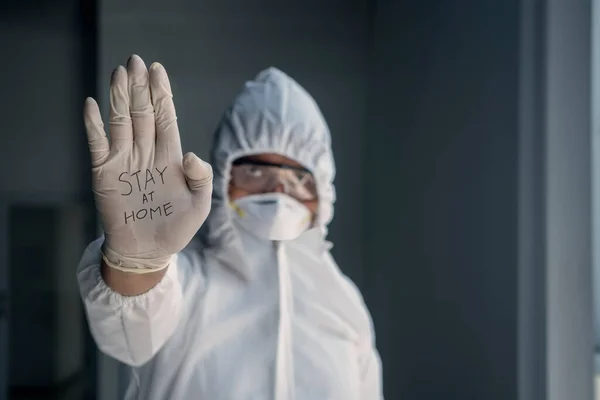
(198, 173)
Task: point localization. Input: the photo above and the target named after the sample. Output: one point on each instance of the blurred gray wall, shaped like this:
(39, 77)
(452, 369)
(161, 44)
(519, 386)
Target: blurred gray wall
(461, 134)
(568, 151)
(41, 99)
(42, 196)
(441, 235)
(596, 170)
(477, 206)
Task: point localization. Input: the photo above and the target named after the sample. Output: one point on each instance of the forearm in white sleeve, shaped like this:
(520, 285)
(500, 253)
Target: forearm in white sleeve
(130, 329)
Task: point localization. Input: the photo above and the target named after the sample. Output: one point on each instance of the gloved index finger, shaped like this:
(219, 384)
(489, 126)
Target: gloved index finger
(167, 132)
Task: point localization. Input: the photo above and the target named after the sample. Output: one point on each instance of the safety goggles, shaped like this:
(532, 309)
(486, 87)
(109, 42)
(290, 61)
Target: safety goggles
(255, 177)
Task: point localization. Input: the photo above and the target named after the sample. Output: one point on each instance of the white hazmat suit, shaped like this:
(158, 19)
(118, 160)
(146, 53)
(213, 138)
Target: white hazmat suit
(236, 316)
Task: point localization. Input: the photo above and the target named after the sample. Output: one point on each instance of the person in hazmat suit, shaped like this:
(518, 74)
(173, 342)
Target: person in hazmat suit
(254, 306)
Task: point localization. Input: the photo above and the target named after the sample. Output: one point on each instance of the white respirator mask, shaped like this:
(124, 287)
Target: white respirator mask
(272, 216)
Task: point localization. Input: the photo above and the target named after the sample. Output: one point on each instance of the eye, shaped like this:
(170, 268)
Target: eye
(301, 176)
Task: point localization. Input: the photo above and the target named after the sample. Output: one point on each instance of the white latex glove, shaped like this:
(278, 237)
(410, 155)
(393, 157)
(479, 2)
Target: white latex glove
(150, 198)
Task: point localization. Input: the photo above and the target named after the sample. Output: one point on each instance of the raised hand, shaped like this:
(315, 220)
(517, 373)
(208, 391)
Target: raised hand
(151, 199)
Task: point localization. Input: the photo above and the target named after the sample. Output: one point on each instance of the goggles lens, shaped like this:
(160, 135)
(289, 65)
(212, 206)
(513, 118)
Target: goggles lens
(262, 177)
